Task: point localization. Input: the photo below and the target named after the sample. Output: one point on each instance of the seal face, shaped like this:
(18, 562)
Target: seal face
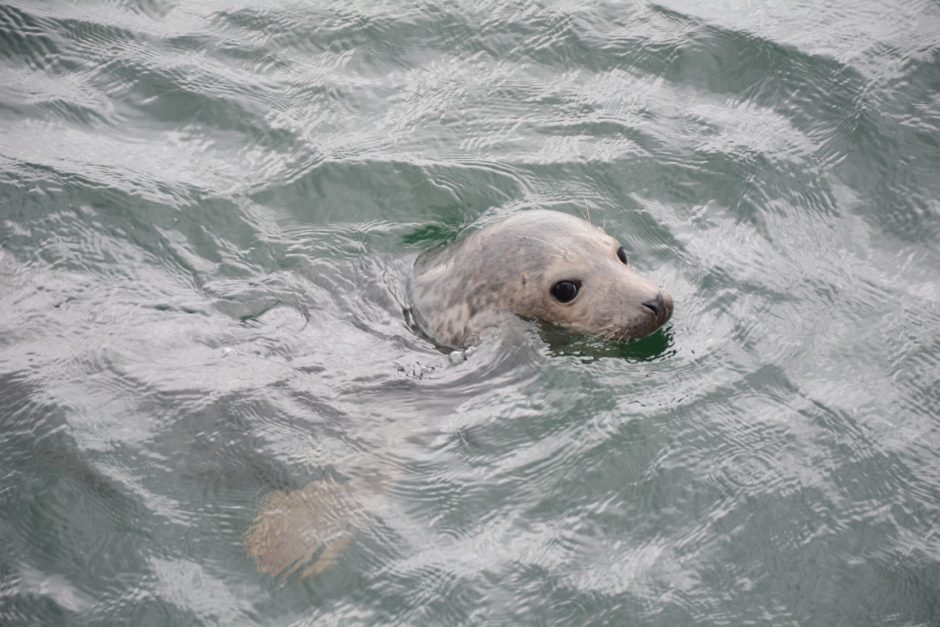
(537, 264)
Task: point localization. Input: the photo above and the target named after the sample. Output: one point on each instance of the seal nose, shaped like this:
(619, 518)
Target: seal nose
(661, 306)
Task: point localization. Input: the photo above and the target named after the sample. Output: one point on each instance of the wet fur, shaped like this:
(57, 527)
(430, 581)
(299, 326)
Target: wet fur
(510, 267)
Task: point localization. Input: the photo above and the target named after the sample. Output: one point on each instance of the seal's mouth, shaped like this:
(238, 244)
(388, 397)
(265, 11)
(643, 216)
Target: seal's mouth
(660, 308)
(658, 312)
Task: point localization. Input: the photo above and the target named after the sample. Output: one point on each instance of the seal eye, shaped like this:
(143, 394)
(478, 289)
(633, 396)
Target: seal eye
(565, 291)
(622, 254)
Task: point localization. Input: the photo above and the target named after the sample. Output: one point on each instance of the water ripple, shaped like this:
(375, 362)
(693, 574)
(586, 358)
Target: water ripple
(209, 216)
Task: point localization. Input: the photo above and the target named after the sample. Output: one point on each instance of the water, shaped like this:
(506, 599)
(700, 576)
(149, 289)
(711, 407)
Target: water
(208, 212)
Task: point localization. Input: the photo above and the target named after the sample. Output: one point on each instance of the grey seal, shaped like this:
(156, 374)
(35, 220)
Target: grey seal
(537, 264)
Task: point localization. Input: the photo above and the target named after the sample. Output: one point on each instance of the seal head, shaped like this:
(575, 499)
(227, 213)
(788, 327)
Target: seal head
(538, 264)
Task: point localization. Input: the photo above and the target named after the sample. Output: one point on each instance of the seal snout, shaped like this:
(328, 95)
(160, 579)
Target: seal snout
(660, 307)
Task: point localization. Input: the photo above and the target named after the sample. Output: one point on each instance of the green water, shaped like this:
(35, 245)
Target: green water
(208, 213)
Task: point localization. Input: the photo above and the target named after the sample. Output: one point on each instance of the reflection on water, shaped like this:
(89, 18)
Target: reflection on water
(208, 215)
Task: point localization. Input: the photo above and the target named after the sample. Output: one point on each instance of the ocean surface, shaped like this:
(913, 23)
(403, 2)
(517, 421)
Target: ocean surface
(215, 407)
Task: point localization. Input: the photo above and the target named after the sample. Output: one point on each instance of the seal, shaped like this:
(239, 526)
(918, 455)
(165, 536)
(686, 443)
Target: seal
(537, 264)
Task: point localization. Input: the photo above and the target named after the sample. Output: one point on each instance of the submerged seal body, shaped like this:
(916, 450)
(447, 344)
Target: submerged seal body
(537, 264)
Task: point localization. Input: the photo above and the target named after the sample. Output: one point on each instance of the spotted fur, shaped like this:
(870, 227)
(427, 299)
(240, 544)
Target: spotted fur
(510, 266)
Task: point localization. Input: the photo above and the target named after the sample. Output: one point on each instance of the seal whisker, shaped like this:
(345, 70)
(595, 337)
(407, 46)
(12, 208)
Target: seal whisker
(561, 251)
